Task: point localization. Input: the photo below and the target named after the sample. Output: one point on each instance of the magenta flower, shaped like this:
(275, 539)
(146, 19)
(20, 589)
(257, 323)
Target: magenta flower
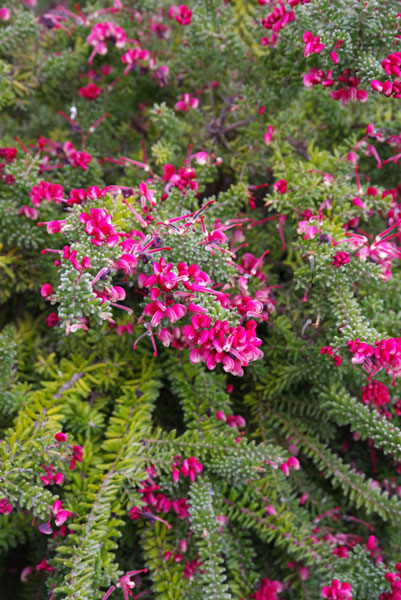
(269, 135)
(159, 310)
(268, 590)
(52, 319)
(337, 591)
(341, 258)
(375, 394)
(186, 103)
(60, 515)
(392, 64)
(75, 157)
(132, 56)
(4, 14)
(46, 191)
(181, 13)
(5, 507)
(102, 33)
(46, 290)
(350, 91)
(44, 566)
(312, 44)
(280, 186)
(90, 92)
(9, 154)
(183, 178)
(192, 567)
(29, 212)
(50, 477)
(307, 229)
(98, 226)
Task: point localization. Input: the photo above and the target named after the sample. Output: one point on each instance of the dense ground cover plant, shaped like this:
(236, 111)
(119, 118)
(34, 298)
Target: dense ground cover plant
(200, 300)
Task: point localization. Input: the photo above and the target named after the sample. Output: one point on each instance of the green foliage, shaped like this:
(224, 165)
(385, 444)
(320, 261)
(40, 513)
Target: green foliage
(246, 514)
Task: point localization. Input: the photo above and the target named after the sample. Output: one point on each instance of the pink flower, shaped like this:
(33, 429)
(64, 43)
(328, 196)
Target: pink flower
(268, 590)
(192, 567)
(307, 229)
(59, 513)
(9, 154)
(341, 258)
(102, 33)
(50, 477)
(26, 571)
(385, 355)
(221, 416)
(200, 157)
(44, 566)
(280, 186)
(236, 421)
(181, 13)
(52, 319)
(90, 92)
(334, 57)
(186, 103)
(4, 14)
(98, 226)
(269, 135)
(337, 591)
(350, 91)
(183, 178)
(132, 56)
(46, 290)
(292, 463)
(76, 158)
(375, 393)
(29, 212)
(5, 507)
(190, 467)
(46, 191)
(392, 64)
(312, 44)
(61, 437)
(76, 456)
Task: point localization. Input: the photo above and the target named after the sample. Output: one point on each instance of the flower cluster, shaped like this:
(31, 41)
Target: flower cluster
(189, 467)
(268, 590)
(312, 44)
(233, 347)
(337, 591)
(51, 192)
(90, 91)
(375, 393)
(182, 14)
(50, 477)
(98, 226)
(5, 507)
(101, 34)
(276, 21)
(386, 355)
